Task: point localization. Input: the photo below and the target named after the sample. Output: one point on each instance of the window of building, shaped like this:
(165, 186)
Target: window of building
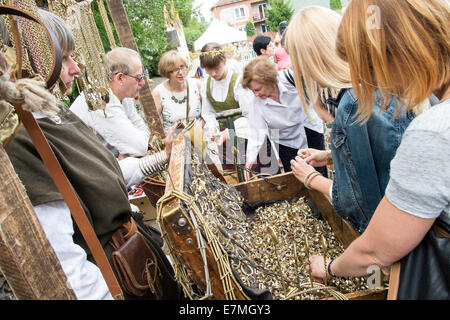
(239, 12)
(264, 27)
(261, 10)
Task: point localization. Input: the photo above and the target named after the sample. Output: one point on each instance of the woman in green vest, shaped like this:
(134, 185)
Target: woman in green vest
(222, 91)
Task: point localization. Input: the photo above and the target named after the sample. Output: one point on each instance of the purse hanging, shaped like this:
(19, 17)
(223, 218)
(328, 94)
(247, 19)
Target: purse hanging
(135, 262)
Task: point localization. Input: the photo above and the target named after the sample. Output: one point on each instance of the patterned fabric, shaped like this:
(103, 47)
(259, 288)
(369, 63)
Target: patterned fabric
(173, 111)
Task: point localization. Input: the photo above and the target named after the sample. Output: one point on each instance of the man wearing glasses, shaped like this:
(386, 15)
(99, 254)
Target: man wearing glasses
(119, 127)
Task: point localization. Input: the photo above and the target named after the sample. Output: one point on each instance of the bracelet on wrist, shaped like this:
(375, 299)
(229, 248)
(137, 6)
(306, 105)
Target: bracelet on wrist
(329, 269)
(309, 178)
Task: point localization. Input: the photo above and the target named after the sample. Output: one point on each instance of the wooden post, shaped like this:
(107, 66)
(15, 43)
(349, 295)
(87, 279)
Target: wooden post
(126, 38)
(27, 260)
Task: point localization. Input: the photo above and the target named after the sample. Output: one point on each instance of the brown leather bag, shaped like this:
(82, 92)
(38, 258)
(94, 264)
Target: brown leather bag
(135, 263)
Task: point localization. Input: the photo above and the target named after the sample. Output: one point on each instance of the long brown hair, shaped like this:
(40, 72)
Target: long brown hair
(400, 47)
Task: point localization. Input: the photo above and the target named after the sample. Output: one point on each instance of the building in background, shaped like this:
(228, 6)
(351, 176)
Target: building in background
(300, 4)
(238, 12)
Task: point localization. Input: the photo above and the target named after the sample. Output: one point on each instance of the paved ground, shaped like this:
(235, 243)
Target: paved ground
(156, 81)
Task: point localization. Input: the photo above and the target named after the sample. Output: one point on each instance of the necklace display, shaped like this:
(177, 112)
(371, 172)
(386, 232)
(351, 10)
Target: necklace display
(175, 99)
(179, 101)
(185, 99)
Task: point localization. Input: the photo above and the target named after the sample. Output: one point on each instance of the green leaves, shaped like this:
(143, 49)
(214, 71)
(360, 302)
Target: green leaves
(281, 10)
(250, 28)
(336, 5)
(147, 22)
(193, 31)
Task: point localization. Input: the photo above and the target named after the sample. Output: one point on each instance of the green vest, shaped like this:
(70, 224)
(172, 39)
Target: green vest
(229, 103)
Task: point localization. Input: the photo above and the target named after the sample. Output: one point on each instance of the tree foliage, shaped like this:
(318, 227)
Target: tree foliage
(101, 27)
(193, 31)
(186, 10)
(147, 23)
(146, 19)
(250, 28)
(280, 10)
(335, 4)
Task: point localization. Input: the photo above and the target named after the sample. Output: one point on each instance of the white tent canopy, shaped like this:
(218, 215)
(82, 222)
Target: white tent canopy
(221, 33)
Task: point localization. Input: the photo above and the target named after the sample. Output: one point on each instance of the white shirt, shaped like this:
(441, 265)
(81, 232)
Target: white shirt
(173, 111)
(84, 277)
(219, 91)
(234, 66)
(122, 130)
(283, 122)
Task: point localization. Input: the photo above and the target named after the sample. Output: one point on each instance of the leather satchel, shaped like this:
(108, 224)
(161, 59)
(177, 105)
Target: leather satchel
(135, 263)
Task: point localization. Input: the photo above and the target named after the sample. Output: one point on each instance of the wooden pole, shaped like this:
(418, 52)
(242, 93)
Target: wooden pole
(27, 259)
(126, 38)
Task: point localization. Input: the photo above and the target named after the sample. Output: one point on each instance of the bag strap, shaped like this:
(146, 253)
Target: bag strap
(66, 189)
(289, 77)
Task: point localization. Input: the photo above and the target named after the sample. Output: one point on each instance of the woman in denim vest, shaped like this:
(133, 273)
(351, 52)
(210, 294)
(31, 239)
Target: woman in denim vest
(360, 150)
(402, 47)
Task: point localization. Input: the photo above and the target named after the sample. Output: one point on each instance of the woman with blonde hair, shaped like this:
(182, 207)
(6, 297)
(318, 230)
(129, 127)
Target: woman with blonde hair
(360, 151)
(403, 48)
(178, 98)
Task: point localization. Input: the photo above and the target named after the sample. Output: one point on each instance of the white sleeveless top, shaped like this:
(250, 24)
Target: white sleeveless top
(174, 104)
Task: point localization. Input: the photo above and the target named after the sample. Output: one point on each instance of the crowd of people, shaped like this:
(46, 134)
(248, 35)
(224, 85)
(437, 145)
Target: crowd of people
(390, 179)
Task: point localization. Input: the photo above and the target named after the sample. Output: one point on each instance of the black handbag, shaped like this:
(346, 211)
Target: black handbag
(425, 271)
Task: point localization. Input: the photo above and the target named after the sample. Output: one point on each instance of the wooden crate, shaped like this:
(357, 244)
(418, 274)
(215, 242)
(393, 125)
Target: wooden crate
(183, 240)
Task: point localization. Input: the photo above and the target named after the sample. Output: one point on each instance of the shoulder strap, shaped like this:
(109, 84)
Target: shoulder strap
(66, 189)
(289, 76)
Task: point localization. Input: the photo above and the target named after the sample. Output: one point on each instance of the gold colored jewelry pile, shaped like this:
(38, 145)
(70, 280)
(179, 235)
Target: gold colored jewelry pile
(299, 236)
(269, 249)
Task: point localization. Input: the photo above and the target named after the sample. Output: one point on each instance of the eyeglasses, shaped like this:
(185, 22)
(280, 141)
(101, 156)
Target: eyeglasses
(139, 78)
(180, 68)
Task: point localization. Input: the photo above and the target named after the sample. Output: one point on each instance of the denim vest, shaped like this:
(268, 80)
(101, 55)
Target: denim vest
(362, 153)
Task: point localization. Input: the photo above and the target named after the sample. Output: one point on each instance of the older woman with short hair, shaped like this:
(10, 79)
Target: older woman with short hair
(178, 98)
(277, 112)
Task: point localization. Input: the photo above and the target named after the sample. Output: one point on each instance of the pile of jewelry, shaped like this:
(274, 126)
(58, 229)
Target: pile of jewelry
(270, 248)
(285, 235)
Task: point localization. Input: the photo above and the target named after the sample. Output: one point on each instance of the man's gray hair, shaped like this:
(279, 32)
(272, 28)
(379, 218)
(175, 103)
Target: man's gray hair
(119, 60)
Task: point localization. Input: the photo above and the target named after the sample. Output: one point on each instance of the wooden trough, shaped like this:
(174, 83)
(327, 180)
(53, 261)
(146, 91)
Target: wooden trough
(182, 239)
